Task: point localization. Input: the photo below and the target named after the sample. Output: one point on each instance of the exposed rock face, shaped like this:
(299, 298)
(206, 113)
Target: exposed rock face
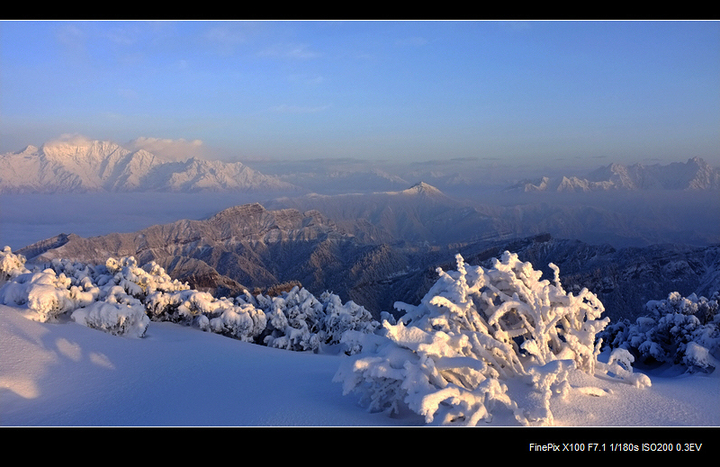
(243, 246)
(623, 279)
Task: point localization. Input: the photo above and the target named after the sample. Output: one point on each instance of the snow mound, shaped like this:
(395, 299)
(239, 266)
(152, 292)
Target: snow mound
(459, 355)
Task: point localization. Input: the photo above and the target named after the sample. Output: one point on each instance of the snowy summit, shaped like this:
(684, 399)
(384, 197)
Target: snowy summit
(82, 165)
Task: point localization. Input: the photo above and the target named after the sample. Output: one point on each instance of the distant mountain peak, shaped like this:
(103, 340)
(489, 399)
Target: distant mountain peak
(695, 174)
(80, 146)
(77, 164)
(29, 149)
(423, 188)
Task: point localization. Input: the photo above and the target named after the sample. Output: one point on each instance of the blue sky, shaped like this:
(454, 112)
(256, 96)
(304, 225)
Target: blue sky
(596, 92)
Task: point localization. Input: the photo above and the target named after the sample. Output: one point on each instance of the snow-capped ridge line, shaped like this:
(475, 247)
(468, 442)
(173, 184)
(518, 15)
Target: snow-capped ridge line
(695, 174)
(82, 165)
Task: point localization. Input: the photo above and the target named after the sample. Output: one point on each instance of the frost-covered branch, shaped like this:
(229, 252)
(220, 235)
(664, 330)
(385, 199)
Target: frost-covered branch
(450, 358)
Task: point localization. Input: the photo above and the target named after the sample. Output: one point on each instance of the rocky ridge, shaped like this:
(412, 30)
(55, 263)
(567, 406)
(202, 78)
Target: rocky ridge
(250, 247)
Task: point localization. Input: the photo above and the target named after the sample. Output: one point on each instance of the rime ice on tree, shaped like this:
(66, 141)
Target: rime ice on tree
(450, 358)
(678, 330)
(122, 298)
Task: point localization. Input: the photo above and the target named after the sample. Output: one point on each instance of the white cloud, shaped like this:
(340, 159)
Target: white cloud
(72, 37)
(75, 139)
(173, 149)
(123, 36)
(306, 78)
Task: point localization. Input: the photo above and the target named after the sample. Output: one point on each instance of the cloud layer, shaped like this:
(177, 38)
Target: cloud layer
(171, 149)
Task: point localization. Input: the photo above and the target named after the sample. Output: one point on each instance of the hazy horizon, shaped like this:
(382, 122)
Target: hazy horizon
(541, 93)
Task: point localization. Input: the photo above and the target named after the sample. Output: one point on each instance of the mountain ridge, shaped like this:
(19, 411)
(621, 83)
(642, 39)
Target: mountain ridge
(251, 247)
(90, 166)
(695, 174)
(82, 165)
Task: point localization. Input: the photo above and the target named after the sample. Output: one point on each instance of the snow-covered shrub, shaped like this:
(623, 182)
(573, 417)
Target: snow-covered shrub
(450, 358)
(242, 321)
(341, 318)
(45, 294)
(181, 306)
(114, 318)
(108, 297)
(11, 265)
(139, 282)
(297, 320)
(678, 330)
(235, 319)
(293, 320)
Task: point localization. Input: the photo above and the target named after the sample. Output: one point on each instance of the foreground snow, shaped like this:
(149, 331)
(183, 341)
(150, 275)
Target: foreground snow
(67, 374)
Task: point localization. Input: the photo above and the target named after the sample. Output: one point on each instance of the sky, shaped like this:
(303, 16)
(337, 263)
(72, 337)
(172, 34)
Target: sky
(523, 91)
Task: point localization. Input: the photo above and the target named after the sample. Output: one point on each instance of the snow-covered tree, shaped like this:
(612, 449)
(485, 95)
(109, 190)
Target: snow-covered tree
(44, 294)
(225, 316)
(107, 297)
(677, 330)
(121, 298)
(451, 358)
(343, 317)
(11, 265)
(297, 320)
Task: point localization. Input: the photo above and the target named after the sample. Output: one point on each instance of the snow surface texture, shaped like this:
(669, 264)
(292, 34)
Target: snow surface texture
(54, 374)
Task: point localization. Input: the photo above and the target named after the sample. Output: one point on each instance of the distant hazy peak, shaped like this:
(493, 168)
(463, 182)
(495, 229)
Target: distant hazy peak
(77, 164)
(29, 149)
(80, 147)
(695, 174)
(423, 188)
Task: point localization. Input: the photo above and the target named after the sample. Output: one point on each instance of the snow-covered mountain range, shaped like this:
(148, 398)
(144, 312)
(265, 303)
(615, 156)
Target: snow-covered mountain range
(695, 174)
(83, 165)
(90, 166)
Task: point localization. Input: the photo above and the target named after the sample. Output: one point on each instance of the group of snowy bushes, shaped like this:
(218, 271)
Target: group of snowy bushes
(678, 330)
(480, 341)
(108, 297)
(293, 320)
(122, 298)
(460, 354)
